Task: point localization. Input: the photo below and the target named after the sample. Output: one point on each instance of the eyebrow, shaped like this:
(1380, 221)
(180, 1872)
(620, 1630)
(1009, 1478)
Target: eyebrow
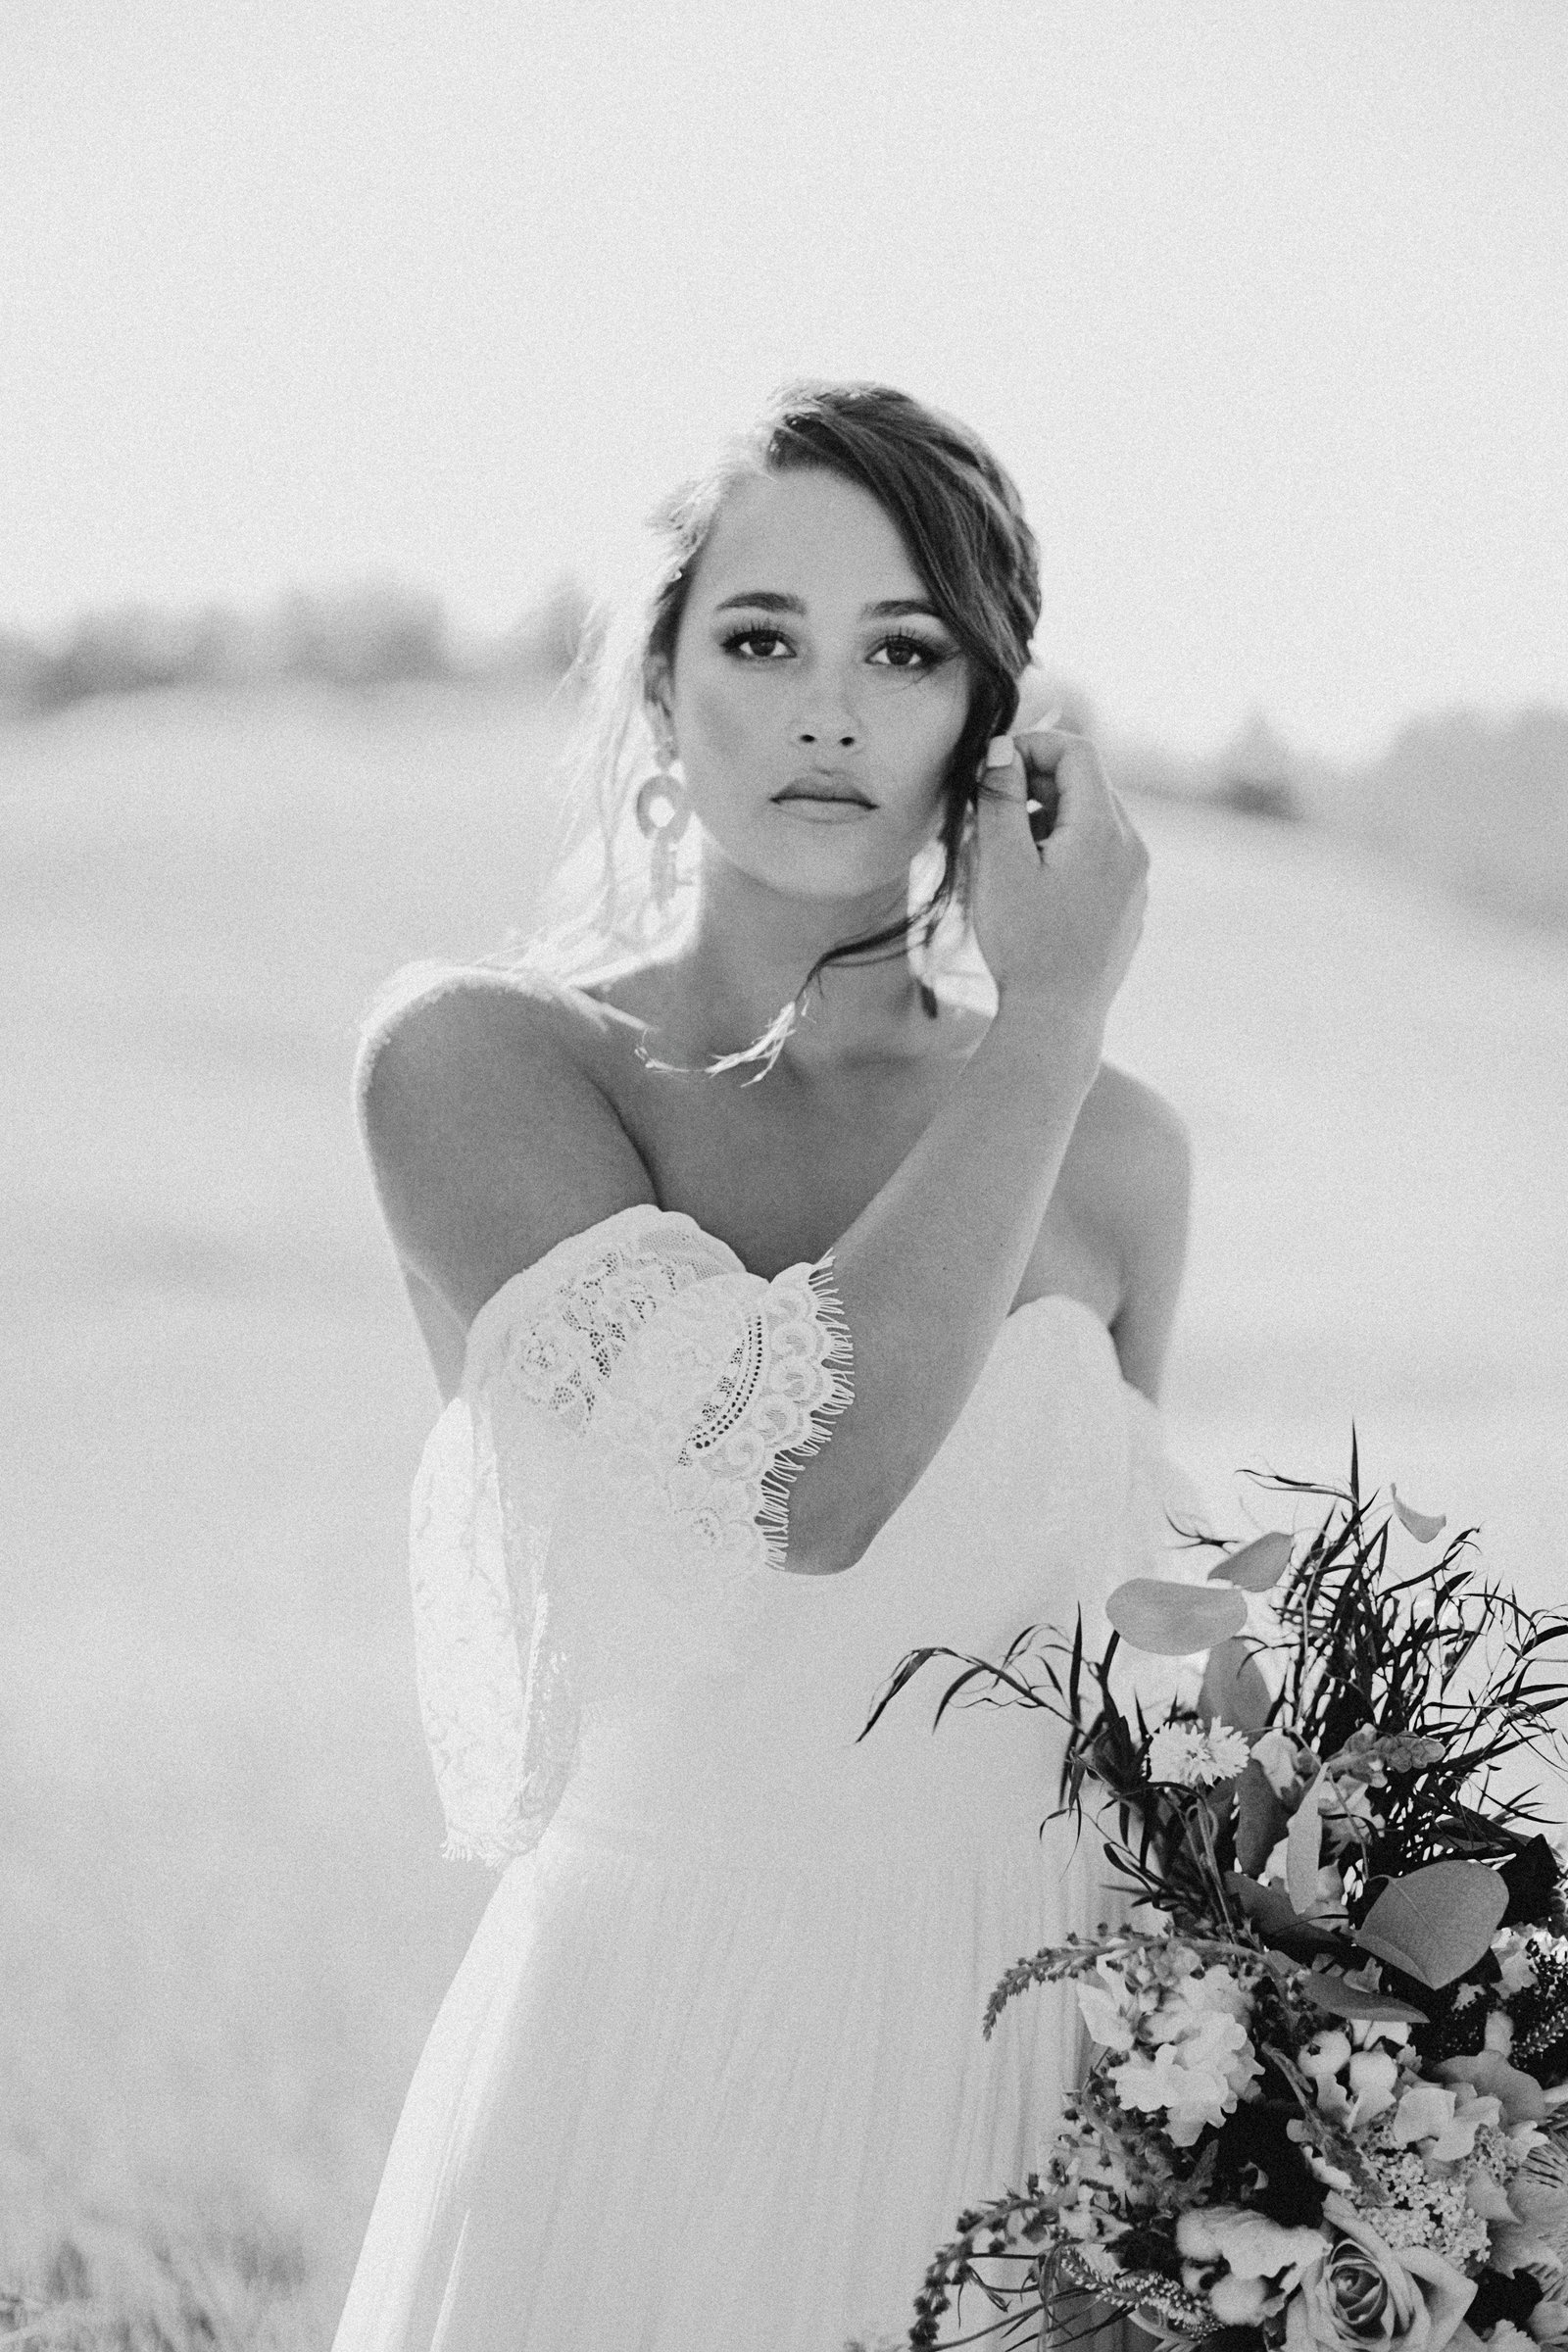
(767, 599)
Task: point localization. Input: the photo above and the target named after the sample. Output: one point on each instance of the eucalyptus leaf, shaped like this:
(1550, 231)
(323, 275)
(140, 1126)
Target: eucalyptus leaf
(1436, 1923)
(1257, 1566)
(1259, 1820)
(1421, 1524)
(1278, 1922)
(1326, 1989)
(1172, 1620)
(1304, 1846)
(1234, 1690)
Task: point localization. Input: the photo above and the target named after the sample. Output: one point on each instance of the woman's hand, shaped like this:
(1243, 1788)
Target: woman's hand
(1057, 920)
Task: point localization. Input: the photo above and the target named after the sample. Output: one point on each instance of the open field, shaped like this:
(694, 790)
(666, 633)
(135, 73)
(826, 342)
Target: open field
(226, 1924)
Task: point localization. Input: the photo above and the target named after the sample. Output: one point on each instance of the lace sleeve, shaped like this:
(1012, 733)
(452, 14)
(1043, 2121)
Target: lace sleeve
(500, 1718)
(638, 1357)
(653, 1342)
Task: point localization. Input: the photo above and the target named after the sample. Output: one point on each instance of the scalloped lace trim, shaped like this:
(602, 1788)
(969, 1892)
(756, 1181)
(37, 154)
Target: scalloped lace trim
(721, 1421)
(771, 1409)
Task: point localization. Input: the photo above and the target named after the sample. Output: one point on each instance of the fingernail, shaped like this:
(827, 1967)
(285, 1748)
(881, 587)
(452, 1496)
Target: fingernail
(999, 752)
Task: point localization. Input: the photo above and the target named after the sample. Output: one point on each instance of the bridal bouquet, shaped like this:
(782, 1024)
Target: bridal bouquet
(1326, 2103)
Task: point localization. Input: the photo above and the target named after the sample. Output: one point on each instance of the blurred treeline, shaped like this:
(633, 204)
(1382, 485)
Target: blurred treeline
(369, 633)
(1477, 802)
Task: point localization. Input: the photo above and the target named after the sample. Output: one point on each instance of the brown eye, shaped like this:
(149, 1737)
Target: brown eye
(749, 639)
(908, 653)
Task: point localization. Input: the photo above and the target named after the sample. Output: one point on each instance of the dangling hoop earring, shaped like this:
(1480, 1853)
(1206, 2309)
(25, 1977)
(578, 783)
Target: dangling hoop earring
(963, 867)
(663, 807)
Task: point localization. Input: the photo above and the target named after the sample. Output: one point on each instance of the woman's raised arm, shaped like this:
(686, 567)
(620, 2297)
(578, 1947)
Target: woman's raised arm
(490, 1144)
(928, 1271)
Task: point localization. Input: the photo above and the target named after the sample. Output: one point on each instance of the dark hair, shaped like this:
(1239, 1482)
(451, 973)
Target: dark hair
(962, 520)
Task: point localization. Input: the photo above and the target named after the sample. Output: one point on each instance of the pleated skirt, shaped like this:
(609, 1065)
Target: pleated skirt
(681, 2100)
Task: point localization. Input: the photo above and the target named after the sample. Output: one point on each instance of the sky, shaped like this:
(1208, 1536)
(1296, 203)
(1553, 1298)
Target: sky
(1263, 303)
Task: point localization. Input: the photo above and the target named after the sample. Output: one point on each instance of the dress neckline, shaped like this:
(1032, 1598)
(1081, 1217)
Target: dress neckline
(503, 1301)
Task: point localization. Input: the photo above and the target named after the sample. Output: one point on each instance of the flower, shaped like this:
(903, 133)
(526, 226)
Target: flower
(1507, 2337)
(1346, 1810)
(1196, 1757)
(1539, 2191)
(1196, 2077)
(1198, 1993)
(1250, 2243)
(1516, 1961)
(1373, 2073)
(1110, 2018)
(1518, 2094)
(1361, 2292)
(1359, 1760)
(1409, 1751)
(1236, 2301)
(1325, 2055)
(1183, 2029)
(1228, 1750)
(1442, 2123)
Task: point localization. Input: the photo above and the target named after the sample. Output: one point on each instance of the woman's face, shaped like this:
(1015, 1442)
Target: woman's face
(815, 698)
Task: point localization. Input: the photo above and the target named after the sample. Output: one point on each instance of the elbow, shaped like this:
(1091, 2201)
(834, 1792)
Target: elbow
(827, 1543)
(817, 1563)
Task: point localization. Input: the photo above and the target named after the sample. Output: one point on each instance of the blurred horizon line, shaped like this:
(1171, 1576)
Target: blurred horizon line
(381, 629)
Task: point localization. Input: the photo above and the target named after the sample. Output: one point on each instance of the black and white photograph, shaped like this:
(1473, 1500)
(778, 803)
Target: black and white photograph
(783, 1142)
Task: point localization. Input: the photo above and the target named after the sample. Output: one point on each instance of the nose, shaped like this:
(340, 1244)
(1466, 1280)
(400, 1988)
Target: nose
(827, 722)
(828, 729)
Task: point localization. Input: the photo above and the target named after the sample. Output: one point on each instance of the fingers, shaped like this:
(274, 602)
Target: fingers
(1063, 775)
(1055, 777)
(1002, 808)
(1001, 768)
(1039, 747)
(1045, 746)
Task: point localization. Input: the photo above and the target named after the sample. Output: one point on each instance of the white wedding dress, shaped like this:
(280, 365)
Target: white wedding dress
(711, 2075)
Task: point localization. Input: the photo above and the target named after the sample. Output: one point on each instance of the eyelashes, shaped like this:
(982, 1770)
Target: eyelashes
(916, 657)
(734, 639)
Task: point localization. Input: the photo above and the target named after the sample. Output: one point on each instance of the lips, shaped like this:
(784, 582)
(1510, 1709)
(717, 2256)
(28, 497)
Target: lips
(824, 788)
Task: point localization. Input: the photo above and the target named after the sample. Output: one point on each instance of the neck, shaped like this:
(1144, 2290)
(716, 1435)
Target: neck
(748, 954)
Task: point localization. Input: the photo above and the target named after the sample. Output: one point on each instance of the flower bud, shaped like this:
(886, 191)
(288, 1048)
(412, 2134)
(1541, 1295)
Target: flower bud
(1195, 2238)
(1234, 2301)
(1325, 2055)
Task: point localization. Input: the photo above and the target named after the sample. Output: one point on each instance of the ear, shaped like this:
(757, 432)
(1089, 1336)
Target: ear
(658, 685)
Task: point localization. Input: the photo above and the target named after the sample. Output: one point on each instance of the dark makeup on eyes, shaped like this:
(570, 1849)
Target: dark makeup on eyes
(934, 650)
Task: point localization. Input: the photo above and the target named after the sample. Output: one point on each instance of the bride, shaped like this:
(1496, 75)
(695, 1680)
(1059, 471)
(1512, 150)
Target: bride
(794, 1305)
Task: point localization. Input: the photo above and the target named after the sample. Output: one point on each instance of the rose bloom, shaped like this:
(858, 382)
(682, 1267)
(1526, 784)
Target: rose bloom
(1361, 2292)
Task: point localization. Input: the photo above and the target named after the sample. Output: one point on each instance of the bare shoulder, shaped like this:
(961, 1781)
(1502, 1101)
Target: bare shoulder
(489, 1135)
(1131, 1138)
(1132, 1175)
